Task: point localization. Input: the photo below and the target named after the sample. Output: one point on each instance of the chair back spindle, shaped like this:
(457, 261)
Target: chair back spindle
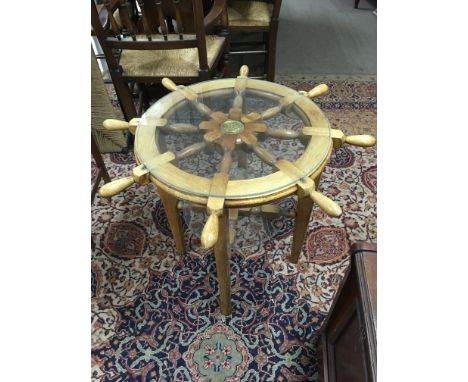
(161, 18)
(180, 26)
(113, 22)
(125, 9)
(145, 21)
(201, 38)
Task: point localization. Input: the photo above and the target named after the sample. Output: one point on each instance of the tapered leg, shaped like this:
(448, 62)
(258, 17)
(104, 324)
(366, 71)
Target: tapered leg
(222, 252)
(98, 159)
(304, 208)
(271, 59)
(175, 222)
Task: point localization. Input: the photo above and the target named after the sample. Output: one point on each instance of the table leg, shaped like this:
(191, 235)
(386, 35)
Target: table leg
(175, 222)
(222, 251)
(304, 208)
(233, 216)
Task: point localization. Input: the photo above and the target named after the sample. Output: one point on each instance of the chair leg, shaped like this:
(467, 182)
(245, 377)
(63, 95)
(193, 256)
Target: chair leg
(124, 95)
(222, 251)
(99, 161)
(225, 58)
(143, 98)
(304, 209)
(356, 3)
(271, 48)
(175, 222)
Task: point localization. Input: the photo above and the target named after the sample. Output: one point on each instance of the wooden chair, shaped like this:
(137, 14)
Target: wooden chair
(150, 49)
(102, 109)
(256, 16)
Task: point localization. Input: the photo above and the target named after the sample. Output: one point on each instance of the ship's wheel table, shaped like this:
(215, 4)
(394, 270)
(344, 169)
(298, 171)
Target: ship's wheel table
(233, 146)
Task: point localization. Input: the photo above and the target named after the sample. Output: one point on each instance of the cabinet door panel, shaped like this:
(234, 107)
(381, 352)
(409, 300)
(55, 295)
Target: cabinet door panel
(346, 352)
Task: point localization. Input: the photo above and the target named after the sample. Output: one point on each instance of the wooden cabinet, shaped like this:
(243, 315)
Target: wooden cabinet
(347, 349)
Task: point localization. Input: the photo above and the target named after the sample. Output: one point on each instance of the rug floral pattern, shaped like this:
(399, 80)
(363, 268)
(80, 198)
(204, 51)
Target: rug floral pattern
(155, 313)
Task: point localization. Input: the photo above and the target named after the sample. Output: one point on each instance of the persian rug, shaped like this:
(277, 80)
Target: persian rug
(155, 313)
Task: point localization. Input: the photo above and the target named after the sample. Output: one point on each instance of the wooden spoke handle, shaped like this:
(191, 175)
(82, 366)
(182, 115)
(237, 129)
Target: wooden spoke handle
(209, 235)
(361, 140)
(214, 207)
(113, 188)
(140, 175)
(115, 124)
(326, 204)
(244, 71)
(187, 93)
(357, 140)
(317, 91)
(169, 84)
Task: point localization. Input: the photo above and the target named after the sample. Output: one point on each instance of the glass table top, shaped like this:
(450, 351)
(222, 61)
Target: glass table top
(244, 128)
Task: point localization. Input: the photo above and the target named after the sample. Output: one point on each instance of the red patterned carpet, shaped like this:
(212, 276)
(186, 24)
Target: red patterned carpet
(155, 314)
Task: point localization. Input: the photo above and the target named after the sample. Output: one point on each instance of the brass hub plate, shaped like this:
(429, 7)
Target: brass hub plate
(232, 127)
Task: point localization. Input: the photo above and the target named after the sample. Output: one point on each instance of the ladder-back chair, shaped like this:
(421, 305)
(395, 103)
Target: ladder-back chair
(152, 48)
(256, 16)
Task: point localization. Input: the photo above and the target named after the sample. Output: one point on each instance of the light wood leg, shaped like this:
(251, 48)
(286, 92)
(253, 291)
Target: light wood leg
(175, 222)
(304, 208)
(222, 252)
(233, 216)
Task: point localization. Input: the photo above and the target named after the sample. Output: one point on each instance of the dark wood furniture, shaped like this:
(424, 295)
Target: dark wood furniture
(256, 16)
(348, 346)
(146, 48)
(102, 170)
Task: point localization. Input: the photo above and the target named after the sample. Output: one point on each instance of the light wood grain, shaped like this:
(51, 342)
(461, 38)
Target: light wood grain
(361, 140)
(315, 154)
(282, 133)
(213, 135)
(115, 124)
(186, 92)
(264, 154)
(244, 71)
(339, 138)
(181, 128)
(208, 125)
(214, 208)
(326, 204)
(190, 150)
(248, 137)
(222, 252)
(301, 223)
(256, 127)
(202, 108)
(153, 164)
(317, 91)
(141, 174)
(175, 222)
(116, 186)
(169, 84)
(210, 232)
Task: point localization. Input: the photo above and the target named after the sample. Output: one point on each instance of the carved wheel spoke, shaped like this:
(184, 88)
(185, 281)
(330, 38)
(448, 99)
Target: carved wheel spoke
(190, 150)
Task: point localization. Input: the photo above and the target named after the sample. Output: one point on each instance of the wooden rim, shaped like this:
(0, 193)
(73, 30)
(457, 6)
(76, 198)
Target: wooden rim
(234, 203)
(315, 155)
